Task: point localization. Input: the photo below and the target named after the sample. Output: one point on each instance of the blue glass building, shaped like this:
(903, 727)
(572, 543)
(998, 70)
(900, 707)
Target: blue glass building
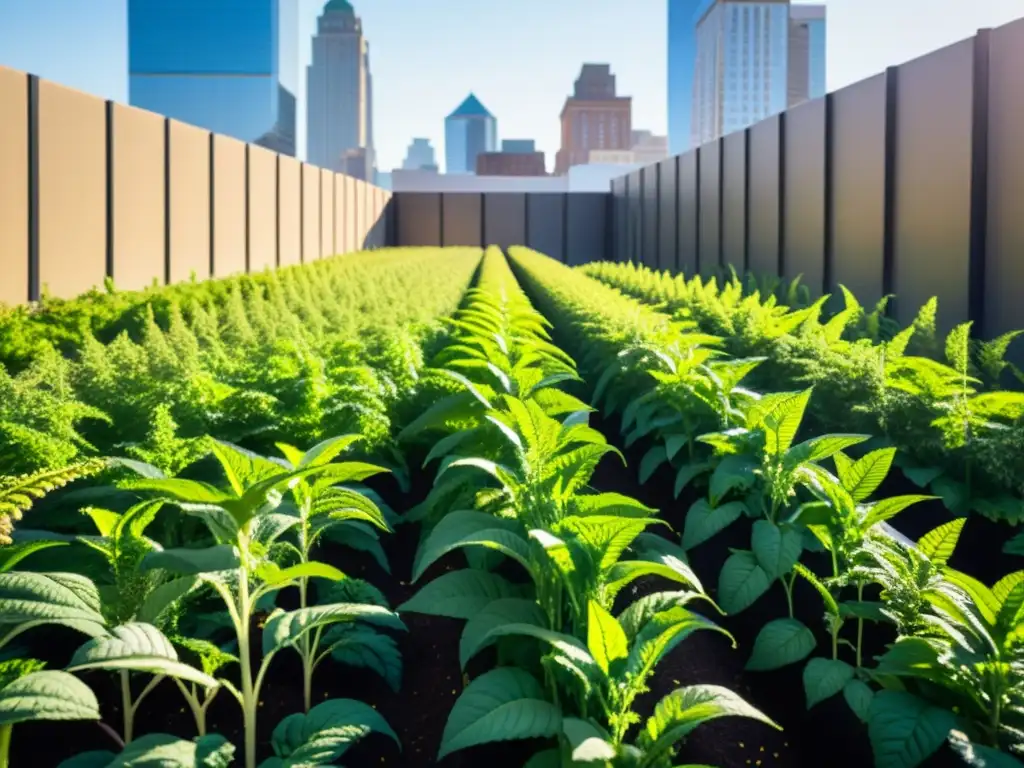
(229, 66)
(468, 131)
(682, 60)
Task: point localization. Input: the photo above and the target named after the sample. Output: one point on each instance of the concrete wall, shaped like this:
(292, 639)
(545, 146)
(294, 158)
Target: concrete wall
(90, 190)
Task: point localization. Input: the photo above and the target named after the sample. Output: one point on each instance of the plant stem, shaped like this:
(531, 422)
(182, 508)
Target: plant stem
(860, 626)
(5, 744)
(128, 712)
(788, 586)
(248, 697)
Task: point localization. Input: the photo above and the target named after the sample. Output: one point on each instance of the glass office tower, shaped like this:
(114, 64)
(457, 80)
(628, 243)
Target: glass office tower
(230, 66)
(468, 131)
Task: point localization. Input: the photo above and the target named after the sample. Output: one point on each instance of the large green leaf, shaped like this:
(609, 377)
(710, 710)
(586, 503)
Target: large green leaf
(782, 419)
(139, 647)
(821, 447)
(464, 528)
(824, 678)
(663, 632)
(887, 508)
(566, 646)
(192, 562)
(476, 635)
(781, 642)
(938, 544)
(980, 756)
(605, 639)
(862, 477)
(345, 504)
(777, 548)
(654, 458)
(285, 628)
(160, 599)
(858, 695)
(732, 473)
(160, 750)
(703, 521)
(905, 730)
(741, 581)
(500, 705)
(12, 554)
(611, 504)
(678, 713)
(274, 576)
(461, 594)
(589, 742)
(636, 615)
(34, 599)
(47, 695)
(322, 735)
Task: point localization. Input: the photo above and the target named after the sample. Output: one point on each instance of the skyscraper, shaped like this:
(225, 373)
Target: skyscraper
(229, 66)
(594, 117)
(755, 58)
(682, 60)
(339, 94)
(468, 131)
(419, 155)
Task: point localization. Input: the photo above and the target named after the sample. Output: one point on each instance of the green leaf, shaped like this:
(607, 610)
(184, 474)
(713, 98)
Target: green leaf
(163, 597)
(322, 735)
(653, 459)
(858, 697)
(566, 646)
(160, 750)
(821, 447)
(360, 646)
(273, 575)
(35, 599)
(782, 420)
(476, 635)
(862, 477)
(192, 562)
(460, 594)
(681, 711)
(12, 554)
(605, 639)
(938, 544)
(687, 473)
(887, 508)
(732, 473)
(824, 678)
(663, 632)
(327, 450)
(614, 504)
(781, 642)
(547, 758)
(464, 528)
(500, 705)
(588, 742)
(905, 730)
(285, 628)
(47, 695)
(703, 521)
(345, 504)
(980, 756)
(776, 548)
(741, 581)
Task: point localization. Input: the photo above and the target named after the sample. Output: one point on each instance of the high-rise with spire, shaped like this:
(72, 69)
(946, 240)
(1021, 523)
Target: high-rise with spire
(339, 94)
(468, 131)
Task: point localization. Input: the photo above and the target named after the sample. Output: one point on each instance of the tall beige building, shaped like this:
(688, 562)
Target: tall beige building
(339, 93)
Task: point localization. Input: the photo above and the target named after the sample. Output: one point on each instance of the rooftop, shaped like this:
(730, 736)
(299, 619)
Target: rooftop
(471, 107)
(339, 6)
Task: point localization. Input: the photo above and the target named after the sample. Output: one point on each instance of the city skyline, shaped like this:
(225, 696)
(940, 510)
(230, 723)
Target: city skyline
(420, 54)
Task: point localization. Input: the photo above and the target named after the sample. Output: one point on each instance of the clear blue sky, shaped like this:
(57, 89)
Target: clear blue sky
(520, 58)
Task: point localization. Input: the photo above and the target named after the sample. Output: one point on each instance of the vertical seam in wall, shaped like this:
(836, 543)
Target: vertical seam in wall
(526, 220)
(979, 183)
(746, 200)
(33, 188)
(609, 226)
(828, 267)
(483, 220)
(657, 214)
(889, 186)
(211, 159)
(248, 215)
(623, 237)
(721, 202)
(108, 118)
(642, 198)
(780, 256)
(166, 149)
(277, 210)
(440, 218)
(675, 213)
(697, 210)
(565, 228)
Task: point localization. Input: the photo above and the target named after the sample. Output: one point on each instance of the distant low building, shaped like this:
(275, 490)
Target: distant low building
(419, 155)
(520, 146)
(510, 164)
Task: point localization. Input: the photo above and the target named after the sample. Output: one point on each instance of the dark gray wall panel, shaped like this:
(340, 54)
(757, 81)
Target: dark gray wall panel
(505, 218)
(933, 183)
(858, 189)
(620, 213)
(734, 182)
(804, 190)
(633, 222)
(709, 157)
(649, 215)
(1004, 267)
(419, 218)
(545, 221)
(667, 224)
(463, 213)
(763, 168)
(687, 206)
(587, 230)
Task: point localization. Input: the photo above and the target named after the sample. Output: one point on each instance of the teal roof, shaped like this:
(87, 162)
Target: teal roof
(339, 5)
(471, 107)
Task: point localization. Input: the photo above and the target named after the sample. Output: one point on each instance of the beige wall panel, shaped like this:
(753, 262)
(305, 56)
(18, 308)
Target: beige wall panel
(289, 210)
(339, 213)
(138, 169)
(228, 206)
(262, 208)
(351, 214)
(189, 202)
(72, 190)
(13, 187)
(310, 212)
(326, 213)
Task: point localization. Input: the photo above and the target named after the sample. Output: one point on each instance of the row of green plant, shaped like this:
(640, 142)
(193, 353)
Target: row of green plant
(573, 652)
(938, 400)
(301, 355)
(954, 667)
(179, 577)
